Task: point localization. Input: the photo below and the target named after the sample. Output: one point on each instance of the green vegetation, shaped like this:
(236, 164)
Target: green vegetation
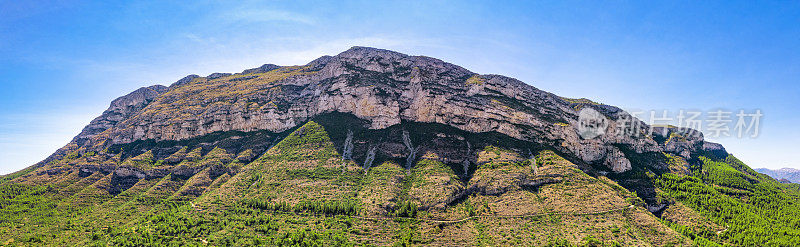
(406, 209)
(307, 206)
(241, 225)
(300, 193)
(143, 161)
(308, 142)
(722, 174)
(475, 80)
(756, 211)
(20, 173)
(275, 201)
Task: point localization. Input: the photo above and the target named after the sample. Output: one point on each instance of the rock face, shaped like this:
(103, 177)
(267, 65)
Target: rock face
(380, 86)
(616, 160)
(681, 141)
(121, 108)
(263, 69)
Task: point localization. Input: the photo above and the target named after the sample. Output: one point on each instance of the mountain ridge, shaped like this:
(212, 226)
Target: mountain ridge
(375, 147)
(423, 99)
(790, 174)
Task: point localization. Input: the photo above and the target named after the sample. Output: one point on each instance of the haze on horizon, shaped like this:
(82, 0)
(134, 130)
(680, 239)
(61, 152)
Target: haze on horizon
(63, 62)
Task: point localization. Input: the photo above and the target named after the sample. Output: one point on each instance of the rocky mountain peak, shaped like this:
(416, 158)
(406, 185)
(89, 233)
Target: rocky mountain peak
(262, 69)
(399, 66)
(369, 53)
(121, 109)
(384, 88)
(372, 133)
(138, 97)
(184, 80)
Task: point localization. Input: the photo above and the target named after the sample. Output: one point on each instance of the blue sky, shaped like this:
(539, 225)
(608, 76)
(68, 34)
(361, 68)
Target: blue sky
(62, 62)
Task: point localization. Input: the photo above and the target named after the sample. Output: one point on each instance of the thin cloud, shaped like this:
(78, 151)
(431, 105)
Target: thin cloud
(202, 55)
(265, 15)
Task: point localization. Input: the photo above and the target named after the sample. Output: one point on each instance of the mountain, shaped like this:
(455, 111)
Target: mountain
(789, 174)
(375, 147)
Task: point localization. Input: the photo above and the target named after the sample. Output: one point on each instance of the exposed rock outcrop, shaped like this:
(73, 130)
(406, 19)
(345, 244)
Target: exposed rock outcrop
(383, 87)
(121, 108)
(263, 69)
(185, 80)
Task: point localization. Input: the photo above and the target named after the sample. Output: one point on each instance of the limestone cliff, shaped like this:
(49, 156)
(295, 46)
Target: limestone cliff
(382, 87)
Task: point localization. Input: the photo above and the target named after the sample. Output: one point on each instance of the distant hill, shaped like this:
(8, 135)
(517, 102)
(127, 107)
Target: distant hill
(793, 175)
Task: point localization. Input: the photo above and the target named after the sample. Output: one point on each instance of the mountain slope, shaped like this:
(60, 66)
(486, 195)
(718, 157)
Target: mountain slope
(376, 147)
(791, 175)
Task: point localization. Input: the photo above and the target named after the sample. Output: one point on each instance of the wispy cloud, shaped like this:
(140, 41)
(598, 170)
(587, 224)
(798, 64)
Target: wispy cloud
(265, 15)
(202, 54)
